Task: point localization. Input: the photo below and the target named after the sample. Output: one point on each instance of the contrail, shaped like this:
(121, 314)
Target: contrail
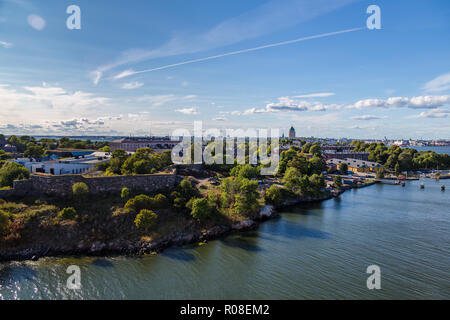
(323, 35)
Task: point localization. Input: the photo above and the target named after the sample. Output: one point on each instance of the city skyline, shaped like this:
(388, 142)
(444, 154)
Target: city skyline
(392, 82)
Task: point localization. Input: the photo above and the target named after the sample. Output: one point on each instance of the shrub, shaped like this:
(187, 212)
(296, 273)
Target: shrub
(291, 179)
(4, 221)
(139, 202)
(11, 171)
(80, 189)
(125, 193)
(337, 180)
(201, 209)
(145, 219)
(274, 196)
(245, 171)
(380, 173)
(246, 203)
(68, 213)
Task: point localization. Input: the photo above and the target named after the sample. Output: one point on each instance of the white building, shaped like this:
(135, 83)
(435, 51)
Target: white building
(75, 165)
(355, 163)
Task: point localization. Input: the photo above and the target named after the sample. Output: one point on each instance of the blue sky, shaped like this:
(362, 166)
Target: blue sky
(392, 82)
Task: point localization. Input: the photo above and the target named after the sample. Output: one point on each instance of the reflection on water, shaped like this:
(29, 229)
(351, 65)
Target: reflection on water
(317, 251)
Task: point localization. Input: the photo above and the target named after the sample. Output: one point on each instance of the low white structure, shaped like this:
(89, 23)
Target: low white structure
(355, 163)
(75, 165)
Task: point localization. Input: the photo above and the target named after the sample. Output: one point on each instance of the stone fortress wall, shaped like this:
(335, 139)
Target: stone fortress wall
(61, 186)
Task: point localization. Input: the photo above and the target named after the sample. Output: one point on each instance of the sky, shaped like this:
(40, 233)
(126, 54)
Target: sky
(151, 67)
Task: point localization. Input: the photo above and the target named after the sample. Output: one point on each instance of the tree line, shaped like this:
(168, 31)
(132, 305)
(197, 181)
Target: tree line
(402, 159)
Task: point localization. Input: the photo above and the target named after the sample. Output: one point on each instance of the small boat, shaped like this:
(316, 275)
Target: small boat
(443, 187)
(422, 186)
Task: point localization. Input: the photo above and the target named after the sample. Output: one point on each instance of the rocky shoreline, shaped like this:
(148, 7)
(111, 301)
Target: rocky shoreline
(123, 247)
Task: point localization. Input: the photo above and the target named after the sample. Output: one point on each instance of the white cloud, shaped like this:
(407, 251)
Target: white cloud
(132, 85)
(316, 95)
(5, 44)
(36, 22)
(368, 117)
(419, 102)
(191, 111)
(287, 104)
(121, 75)
(39, 103)
(432, 114)
(438, 84)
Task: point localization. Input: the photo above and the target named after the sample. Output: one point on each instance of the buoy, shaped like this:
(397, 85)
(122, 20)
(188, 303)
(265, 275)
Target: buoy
(403, 184)
(443, 187)
(422, 186)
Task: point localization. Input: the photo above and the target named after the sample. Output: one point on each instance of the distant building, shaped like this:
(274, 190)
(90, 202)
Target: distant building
(7, 147)
(75, 165)
(355, 165)
(132, 144)
(343, 152)
(292, 133)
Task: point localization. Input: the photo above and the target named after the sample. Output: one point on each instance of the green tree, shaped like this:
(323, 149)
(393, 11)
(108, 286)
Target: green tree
(337, 180)
(316, 165)
(397, 168)
(125, 193)
(201, 209)
(306, 147)
(228, 190)
(4, 155)
(291, 179)
(68, 213)
(115, 166)
(120, 154)
(145, 219)
(80, 190)
(34, 152)
(245, 171)
(316, 183)
(380, 173)
(316, 150)
(142, 167)
(139, 202)
(247, 200)
(11, 171)
(274, 196)
(300, 163)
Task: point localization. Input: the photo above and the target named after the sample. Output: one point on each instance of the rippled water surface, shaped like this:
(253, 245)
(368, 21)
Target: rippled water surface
(315, 251)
